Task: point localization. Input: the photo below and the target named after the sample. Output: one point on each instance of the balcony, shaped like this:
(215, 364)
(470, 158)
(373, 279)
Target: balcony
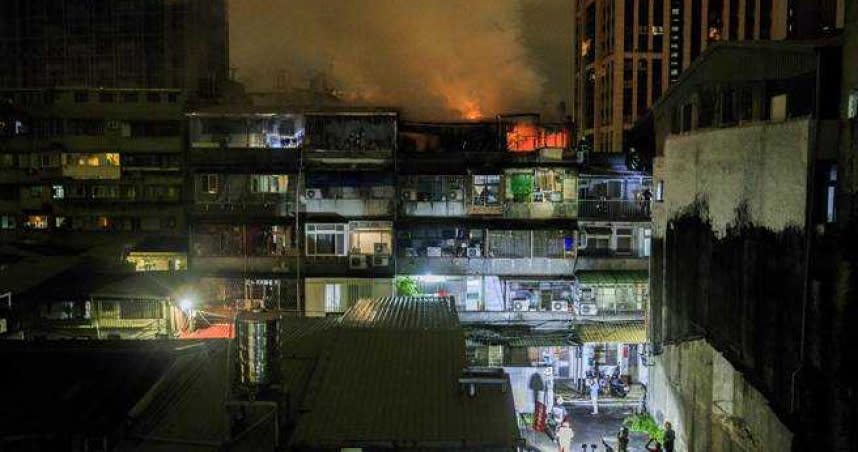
(434, 208)
(544, 317)
(541, 210)
(269, 158)
(349, 207)
(610, 209)
(534, 266)
(268, 206)
(241, 264)
(356, 264)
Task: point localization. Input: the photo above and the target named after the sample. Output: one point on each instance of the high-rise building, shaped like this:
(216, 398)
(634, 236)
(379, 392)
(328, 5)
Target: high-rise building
(629, 51)
(118, 44)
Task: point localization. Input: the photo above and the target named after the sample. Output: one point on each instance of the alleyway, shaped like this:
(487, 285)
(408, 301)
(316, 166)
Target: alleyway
(590, 429)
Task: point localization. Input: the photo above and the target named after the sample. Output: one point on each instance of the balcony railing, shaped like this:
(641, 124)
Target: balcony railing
(485, 266)
(610, 209)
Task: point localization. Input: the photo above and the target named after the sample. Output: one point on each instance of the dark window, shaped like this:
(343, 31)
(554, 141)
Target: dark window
(628, 27)
(727, 112)
(696, 28)
(153, 97)
(643, 23)
(642, 87)
(656, 79)
(750, 18)
(106, 98)
(734, 19)
(687, 110)
(765, 19)
(706, 108)
(130, 98)
(746, 105)
(81, 97)
(172, 98)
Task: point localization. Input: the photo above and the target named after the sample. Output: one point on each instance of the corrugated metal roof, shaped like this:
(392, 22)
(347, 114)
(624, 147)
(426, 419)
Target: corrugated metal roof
(389, 378)
(623, 332)
(402, 313)
(613, 277)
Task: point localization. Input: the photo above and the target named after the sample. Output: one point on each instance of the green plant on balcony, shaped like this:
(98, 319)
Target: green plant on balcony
(406, 286)
(521, 186)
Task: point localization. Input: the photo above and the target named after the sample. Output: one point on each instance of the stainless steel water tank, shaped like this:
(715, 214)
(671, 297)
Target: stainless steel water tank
(258, 348)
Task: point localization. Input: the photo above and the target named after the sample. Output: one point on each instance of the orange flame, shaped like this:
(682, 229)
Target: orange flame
(472, 111)
(526, 137)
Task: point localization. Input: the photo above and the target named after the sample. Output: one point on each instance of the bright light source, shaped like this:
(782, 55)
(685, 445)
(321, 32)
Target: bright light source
(186, 305)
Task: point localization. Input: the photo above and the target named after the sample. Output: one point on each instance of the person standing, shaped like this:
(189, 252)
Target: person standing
(595, 387)
(623, 440)
(564, 437)
(558, 411)
(669, 437)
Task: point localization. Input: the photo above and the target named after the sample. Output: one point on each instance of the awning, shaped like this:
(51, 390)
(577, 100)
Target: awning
(613, 277)
(624, 332)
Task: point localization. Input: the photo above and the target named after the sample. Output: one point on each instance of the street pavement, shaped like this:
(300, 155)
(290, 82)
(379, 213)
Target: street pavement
(590, 429)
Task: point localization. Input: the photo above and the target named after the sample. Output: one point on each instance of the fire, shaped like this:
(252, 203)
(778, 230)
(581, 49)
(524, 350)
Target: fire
(526, 137)
(472, 111)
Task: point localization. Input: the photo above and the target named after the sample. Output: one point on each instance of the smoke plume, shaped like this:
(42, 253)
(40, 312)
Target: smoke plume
(432, 59)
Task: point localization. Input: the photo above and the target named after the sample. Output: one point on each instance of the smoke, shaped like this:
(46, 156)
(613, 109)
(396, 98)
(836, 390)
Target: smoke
(431, 59)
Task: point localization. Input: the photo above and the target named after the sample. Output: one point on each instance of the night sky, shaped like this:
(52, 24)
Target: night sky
(447, 59)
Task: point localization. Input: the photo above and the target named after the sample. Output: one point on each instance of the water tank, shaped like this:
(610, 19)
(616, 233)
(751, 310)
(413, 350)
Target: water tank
(257, 336)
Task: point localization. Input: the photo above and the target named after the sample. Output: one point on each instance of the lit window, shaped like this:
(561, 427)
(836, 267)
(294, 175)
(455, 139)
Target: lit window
(659, 191)
(852, 112)
(58, 192)
(831, 192)
(269, 183)
(210, 183)
(36, 222)
(486, 190)
(334, 298)
(326, 239)
(7, 222)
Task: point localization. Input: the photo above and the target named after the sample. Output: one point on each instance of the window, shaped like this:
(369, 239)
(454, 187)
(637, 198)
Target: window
(326, 239)
(57, 192)
(486, 190)
(36, 222)
(624, 241)
(210, 183)
(81, 97)
(153, 98)
(268, 183)
(141, 309)
(61, 223)
(598, 240)
(659, 191)
(7, 222)
(852, 111)
(106, 98)
(646, 246)
(172, 98)
(830, 193)
(36, 191)
(334, 298)
(77, 159)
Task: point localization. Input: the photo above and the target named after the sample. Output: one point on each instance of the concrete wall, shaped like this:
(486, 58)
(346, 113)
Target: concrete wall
(710, 404)
(763, 165)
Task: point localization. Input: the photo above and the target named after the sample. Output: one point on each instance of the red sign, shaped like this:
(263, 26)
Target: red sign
(539, 417)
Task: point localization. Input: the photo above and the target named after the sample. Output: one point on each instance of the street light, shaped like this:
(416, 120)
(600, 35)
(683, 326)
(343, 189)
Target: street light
(186, 305)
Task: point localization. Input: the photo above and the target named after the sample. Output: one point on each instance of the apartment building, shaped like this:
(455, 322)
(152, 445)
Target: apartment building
(84, 165)
(629, 51)
(122, 44)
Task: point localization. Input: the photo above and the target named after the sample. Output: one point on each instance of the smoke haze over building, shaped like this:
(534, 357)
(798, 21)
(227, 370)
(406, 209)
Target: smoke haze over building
(445, 59)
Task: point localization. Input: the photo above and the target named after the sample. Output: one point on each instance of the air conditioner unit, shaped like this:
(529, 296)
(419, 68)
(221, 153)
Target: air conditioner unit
(473, 251)
(520, 304)
(454, 195)
(538, 196)
(380, 248)
(313, 193)
(587, 309)
(357, 261)
(560, 306)
(380, 261)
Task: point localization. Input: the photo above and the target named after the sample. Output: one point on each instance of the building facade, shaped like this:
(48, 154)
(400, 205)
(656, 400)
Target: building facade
(119, 44)
(629, 51)
(749, 252)
(82, 165)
